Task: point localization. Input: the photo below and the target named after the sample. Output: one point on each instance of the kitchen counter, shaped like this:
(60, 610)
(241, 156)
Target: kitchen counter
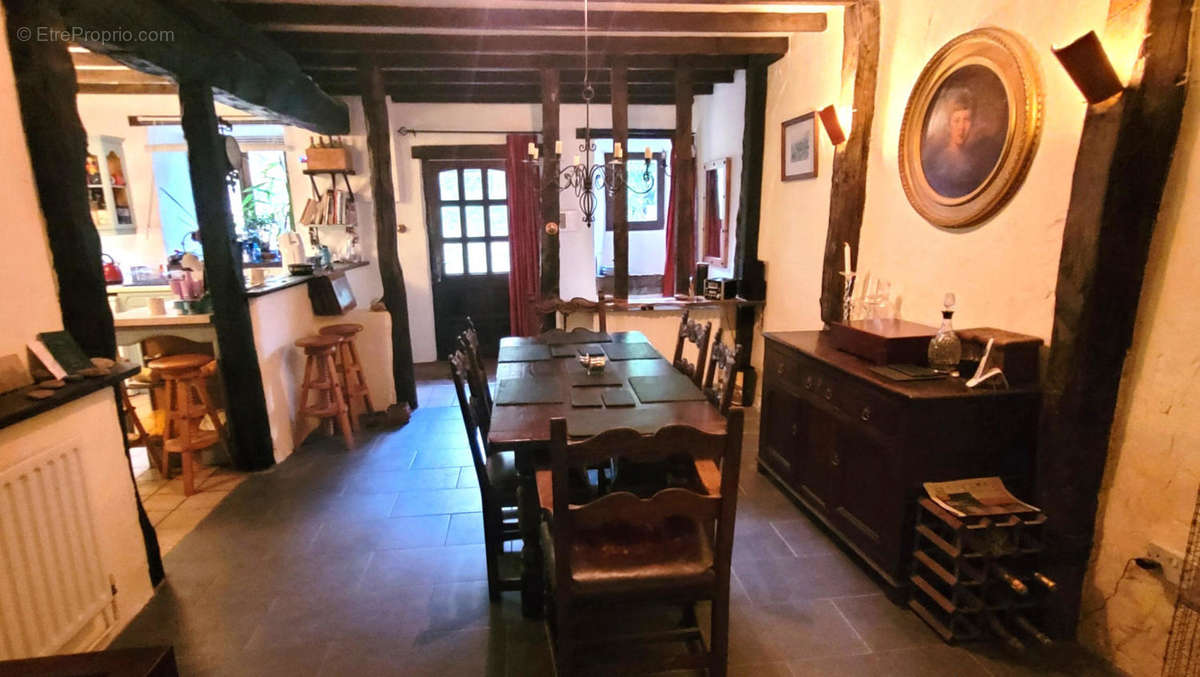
(141, 317)
(275, 284)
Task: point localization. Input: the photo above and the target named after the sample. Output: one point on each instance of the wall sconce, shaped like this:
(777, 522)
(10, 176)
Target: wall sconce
(833, 126)
(1088, 65)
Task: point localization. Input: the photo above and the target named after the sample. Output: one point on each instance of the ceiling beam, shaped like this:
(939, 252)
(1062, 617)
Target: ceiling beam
(479, 18)
(109, 88)
(569, 93)
(526, 44)
(347, 60)
(466, 77)
(126, 76)
(208, 44)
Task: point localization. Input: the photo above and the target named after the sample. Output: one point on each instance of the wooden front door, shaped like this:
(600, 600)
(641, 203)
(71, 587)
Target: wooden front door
(467, 218)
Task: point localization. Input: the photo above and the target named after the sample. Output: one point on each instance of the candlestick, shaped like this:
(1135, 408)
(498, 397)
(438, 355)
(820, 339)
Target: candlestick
(532, 148)
(846, 256)
(848, 296)
(648, 154)
(618, 152)
(536, 152)
(558, 147)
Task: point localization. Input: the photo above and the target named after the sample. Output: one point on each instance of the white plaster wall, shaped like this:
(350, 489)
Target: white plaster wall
(719, 120)
(29, 302)
(1153, 471)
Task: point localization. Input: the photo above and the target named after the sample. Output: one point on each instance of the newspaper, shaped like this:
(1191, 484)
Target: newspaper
(978, 496)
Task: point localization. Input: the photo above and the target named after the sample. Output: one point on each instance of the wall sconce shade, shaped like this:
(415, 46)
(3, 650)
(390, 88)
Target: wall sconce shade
(833, 126)
(1087, 63)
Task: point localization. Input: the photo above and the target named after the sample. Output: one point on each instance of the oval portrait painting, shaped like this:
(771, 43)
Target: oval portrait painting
(970, 129)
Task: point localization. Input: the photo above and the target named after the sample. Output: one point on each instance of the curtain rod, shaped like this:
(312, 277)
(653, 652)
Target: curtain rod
(405, 131)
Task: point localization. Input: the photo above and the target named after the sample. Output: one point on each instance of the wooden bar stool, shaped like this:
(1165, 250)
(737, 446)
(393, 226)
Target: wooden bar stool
(186, 381)
(321, 375)
(354, 384)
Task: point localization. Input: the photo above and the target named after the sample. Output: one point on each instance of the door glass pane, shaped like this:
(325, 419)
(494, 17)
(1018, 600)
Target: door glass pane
(452, 253)
(496, 185)
(472, 184)
(476, 258)
(475, 221)
(451, 226)
(643, 200)
(499, 256)
(448, 184)
(498, 214)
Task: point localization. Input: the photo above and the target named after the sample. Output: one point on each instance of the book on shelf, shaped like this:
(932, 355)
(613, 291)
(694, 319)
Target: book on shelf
(309, 214)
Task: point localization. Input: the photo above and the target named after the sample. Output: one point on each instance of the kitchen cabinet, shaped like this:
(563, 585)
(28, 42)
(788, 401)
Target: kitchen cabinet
(853, 448)
(109, 192)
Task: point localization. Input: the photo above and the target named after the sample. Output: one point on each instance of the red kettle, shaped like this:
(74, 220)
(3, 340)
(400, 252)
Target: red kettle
(112, 272)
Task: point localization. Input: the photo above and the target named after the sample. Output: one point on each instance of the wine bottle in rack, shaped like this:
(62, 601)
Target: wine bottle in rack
(1045, 581)
(1011, 580)
(1002, 632)
(1031, 629)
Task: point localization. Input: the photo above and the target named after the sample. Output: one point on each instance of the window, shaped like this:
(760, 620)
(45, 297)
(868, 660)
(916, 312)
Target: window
(470, 218)
(646, 201)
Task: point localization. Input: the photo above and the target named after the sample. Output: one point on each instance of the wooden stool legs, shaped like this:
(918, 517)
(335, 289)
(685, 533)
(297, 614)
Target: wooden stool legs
(188, 405)
(321, 375)
(354, 384)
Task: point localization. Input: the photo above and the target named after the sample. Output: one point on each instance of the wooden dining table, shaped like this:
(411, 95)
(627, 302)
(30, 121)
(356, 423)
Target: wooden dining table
(524, 427)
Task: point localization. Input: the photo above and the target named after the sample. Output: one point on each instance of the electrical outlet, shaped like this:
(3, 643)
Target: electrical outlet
(1170, 560)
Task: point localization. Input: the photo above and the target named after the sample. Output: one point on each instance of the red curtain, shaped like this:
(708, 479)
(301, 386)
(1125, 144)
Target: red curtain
(712, 217)
(669, 266)
(524, 261)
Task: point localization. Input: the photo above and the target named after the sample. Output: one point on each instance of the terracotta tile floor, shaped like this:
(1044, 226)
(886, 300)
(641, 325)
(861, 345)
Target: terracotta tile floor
(371, 563)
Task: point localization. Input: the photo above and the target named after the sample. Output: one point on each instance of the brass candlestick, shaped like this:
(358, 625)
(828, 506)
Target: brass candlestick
(847, 295)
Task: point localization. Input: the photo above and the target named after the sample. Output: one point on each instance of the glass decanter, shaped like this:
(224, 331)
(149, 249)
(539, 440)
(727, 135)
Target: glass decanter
(945, 349)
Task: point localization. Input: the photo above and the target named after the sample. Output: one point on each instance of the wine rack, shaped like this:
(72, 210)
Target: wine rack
(974, 577)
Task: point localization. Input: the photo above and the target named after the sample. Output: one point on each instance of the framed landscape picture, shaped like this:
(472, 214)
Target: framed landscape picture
(971, 128)
(800, 147)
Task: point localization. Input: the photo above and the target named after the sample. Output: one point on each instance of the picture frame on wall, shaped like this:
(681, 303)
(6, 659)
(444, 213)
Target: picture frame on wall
(799, 147)
(971, 128)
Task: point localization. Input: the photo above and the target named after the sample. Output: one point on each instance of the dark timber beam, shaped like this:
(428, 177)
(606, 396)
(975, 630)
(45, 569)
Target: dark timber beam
(246, 405)
(125, 76)
(395, 296)
(202, 41)
(860, 65)
(620, 201)
(550, 205)
(527, 44)
(685, 189)
(1120, 172)
(57, 145)
(509, 77)
(100, 88)
(296, 14)
(516, 93)
(314, 60)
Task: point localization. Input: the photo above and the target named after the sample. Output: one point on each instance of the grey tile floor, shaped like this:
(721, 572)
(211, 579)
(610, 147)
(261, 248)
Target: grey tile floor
(371, 563)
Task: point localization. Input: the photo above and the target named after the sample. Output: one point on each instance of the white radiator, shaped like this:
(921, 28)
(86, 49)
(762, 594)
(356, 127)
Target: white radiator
(53, 588)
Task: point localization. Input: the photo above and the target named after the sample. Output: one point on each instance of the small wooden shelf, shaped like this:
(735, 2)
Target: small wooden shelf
(313, 172)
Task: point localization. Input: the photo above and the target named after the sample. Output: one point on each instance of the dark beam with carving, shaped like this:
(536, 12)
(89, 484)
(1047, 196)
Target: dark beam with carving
(620, 200)
(246, 404)
(527, 44)
(207, 43)
(550, 206)
(383, 196)
(1120, 172)
(314, 60)
(57, 143)
(860, 64)
(685, 176)
(378, 16)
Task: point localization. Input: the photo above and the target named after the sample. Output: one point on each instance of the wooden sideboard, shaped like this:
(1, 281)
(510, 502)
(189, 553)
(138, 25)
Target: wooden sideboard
(854, 447)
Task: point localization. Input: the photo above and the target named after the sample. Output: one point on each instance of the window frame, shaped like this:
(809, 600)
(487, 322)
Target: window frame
(659, 223)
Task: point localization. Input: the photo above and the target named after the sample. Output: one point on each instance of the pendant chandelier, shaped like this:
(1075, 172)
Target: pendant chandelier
(583, 176)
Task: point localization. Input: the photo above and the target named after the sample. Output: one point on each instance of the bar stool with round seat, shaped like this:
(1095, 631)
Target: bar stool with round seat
(186, 381)
(321, 375)
(354, 384)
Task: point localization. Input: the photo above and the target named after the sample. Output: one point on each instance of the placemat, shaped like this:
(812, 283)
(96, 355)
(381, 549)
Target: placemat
(619, 398)
(603, 377)
(526, 353)
(587, 397)
(665, 388)
(573, 349)
(529, 391)
(577, 335)
(630, 351)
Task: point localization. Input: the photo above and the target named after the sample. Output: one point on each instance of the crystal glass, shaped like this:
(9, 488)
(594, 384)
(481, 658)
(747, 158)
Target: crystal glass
(945, 349)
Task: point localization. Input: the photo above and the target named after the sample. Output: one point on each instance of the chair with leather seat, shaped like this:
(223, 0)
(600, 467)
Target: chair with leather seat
(723, 365)
(497, 476)
(698, 335)
(621, 552)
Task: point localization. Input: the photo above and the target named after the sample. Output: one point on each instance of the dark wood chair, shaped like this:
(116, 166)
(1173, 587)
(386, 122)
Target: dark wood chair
(575, 305)
(698, 335)
(477, 379)
(619, 550)
(496, 473)
(471, 336)
(723, 365)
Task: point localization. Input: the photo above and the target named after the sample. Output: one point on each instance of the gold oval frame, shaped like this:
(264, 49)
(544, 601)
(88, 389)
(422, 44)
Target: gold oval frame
(1008, 56)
